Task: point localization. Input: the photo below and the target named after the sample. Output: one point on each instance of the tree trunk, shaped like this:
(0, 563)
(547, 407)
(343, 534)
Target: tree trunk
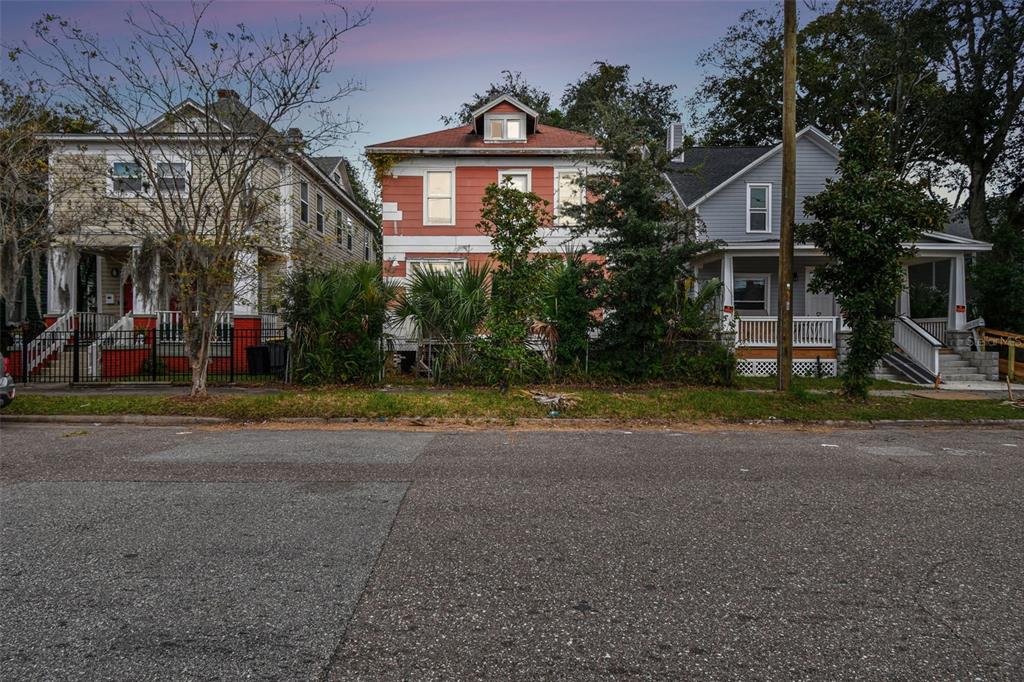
(197, 348)
(977, 216)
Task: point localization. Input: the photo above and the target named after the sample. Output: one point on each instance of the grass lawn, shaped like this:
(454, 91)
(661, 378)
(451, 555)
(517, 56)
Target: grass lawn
(656, 404)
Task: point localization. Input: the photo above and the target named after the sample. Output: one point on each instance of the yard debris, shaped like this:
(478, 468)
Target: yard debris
(556, 401)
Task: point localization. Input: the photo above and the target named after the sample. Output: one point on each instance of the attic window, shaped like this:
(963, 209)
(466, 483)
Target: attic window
(504, 127)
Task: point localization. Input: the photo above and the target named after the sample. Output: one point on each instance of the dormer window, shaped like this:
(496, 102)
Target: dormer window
(499, 127)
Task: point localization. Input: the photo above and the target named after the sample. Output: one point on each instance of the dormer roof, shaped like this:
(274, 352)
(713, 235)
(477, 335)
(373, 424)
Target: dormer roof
(505, 104)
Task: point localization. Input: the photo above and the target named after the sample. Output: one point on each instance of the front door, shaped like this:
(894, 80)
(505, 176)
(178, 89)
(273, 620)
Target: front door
(817, 305)
(127, 296)
(87, 291)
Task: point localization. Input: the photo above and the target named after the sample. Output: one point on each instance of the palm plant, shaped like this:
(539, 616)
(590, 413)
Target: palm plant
(447, 309)
(337, 317)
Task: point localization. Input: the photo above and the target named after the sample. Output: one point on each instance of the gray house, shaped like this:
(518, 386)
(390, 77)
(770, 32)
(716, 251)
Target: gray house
(736, 191)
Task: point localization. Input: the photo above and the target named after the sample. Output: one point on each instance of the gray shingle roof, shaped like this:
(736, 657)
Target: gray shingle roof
(704, 168)
(327, 164)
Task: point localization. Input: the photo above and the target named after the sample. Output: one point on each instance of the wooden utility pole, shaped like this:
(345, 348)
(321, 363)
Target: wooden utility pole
(785, 317)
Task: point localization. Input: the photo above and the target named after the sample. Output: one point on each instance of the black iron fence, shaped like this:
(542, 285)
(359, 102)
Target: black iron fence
(88, 354)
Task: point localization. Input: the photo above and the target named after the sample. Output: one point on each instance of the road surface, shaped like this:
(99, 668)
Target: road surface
(171, 553)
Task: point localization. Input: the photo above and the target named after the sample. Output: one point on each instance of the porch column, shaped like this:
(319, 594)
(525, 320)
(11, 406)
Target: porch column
(728, 282)
(903, 307)
(145, 295)
(61, 281)
(246, 282)
(957, 293)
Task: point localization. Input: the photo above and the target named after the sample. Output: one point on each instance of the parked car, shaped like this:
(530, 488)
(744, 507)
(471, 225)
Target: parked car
(6, 385)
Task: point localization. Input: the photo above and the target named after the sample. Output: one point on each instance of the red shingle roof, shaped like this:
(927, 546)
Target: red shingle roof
(546, 137)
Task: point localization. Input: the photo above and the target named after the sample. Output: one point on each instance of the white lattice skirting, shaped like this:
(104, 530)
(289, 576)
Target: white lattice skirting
(805, 368)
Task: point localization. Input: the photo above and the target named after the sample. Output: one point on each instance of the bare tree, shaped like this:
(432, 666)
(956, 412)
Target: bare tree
(26, 228)
(207, 119)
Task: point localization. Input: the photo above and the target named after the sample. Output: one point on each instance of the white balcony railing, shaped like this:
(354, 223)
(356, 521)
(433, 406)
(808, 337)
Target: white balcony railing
(936, 326)
(170, 326)
(808, 332)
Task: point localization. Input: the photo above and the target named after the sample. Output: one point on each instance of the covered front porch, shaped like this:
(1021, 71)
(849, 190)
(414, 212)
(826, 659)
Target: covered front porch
(931, 310)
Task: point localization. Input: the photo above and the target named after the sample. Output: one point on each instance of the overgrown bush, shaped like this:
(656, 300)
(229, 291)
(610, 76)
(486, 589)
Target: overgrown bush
(446, 308)
(998, 276)
(336, 318)
(568, 301)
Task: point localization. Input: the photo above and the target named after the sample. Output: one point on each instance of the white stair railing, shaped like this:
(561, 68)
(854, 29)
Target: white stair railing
(917, 343)
(51, 341)
(95, 356)
(936, 326)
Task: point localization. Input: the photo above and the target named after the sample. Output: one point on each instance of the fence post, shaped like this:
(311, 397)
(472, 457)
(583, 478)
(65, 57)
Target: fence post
(1011, 360)
(75, 360)
(24, 358)
(152, 355)
(231, 346)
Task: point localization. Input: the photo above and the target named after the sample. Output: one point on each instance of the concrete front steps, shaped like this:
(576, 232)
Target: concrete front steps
(61, 366)
(953, 367)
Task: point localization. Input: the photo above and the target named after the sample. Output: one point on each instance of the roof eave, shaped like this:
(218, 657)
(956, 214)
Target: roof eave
(488, 151)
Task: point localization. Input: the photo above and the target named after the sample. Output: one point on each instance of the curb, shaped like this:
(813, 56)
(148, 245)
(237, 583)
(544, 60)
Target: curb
(560, 423)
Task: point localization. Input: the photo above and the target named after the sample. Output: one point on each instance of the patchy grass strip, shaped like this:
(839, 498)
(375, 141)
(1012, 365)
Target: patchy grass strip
(656, 404)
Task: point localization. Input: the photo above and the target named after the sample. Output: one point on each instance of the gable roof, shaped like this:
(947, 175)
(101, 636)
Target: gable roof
(506, 98)
(721, 165)
(464, 139)
(327, 166)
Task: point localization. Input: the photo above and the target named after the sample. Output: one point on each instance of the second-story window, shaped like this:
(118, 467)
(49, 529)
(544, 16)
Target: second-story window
(366, 246)
(127, 177)
(339, 226)
(304, 201)
(439, 200)
(759, 208)
(172, 177)
(348, 234)
(519, 179)
(319, 212)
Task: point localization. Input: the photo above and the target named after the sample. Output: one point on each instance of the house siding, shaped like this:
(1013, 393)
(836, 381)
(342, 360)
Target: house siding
(724, 213)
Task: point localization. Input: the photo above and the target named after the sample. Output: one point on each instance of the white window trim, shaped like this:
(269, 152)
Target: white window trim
(768, 209)
(504, 117)
(320, 206)
(411, 263)
(561, 219)
(767, 277)
(502, 173)
(426, 195)
(111, 159)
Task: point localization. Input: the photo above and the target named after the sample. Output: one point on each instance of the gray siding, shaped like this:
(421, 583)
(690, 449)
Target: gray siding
(743, 265)
(725, 212)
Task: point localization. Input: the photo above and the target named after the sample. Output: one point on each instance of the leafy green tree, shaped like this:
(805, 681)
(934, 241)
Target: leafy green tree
(647, 239)
(336, 318)
(513, 220)
(863, 221)
(863, 55)
(568, 302)
(511, 83)
(586, 103)
(998, 276)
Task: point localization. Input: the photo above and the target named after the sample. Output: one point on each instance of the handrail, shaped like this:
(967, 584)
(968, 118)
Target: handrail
(49, 341)
(917, 343)
(126, 323)
(996, 337)
(808, 331)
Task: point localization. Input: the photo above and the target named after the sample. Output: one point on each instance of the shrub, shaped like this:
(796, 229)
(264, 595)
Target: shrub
(336, 317)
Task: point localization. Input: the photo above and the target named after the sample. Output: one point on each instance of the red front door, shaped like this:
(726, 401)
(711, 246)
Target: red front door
(127, 296)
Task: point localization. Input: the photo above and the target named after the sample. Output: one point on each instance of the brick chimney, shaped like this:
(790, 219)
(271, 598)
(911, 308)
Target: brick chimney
(227, 94)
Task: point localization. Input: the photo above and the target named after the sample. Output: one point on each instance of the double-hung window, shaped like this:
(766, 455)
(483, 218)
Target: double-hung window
(366, 246)
(759, 207)
(127, 177)
(319, 213)
(172, 177)
(304, 201)
(339, 225)
(568, 192)
(440, 199)
(348, 233)
(518, 179)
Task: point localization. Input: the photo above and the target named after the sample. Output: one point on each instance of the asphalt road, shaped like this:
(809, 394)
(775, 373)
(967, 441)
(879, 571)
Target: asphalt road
(183, 553)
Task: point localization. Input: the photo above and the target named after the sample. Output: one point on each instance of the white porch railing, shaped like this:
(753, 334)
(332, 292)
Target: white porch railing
(50, 341)
(918, 343)
(170, 326)
(271, 325)
(808, 332)
(936, 326)
(95, 354)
